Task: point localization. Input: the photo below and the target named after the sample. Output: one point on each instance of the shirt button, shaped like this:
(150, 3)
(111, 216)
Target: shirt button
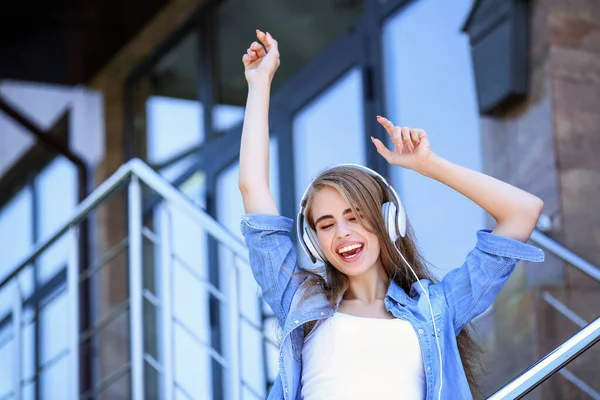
(421, 331)
(281, 354)
(428, 368)
(296, 322)
(322, 313)
(286, 390)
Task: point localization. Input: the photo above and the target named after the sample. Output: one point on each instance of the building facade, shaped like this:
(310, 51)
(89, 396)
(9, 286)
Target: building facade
(173, 96)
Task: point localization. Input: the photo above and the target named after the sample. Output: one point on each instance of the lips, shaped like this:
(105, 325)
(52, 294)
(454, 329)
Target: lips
(349, 251)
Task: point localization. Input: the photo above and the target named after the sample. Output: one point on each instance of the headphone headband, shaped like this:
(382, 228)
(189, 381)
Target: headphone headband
(393, 215)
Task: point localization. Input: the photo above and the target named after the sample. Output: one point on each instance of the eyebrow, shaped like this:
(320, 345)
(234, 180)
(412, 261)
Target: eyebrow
(322, 217)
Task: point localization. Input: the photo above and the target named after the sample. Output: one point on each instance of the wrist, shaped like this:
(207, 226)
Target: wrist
(429, 165)
(259, 83)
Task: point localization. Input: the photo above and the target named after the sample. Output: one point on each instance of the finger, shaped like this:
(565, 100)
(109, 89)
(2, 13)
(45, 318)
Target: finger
(246, 60)
(415, 135)
(252, 54)
(258, 49)
(260, 35)
(393, 131)
(397, 138)
(272, 44)
(405, 132)
(386, 123)
(382, 149)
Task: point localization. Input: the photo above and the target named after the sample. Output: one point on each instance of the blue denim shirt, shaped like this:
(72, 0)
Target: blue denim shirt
(462, 294)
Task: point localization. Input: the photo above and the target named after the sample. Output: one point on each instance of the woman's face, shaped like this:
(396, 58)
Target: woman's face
(348, 246)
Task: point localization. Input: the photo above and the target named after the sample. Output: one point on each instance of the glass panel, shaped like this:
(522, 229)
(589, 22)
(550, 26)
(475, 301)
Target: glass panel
(168, 118)
(195, 188)
(55, 380)
(435, 91)
(189, 243)
(191, 302)
(7, 352)
(174, 125)
(334, 120)
(192, 365)
(28, 351)
(16, 233)
(54, 324)
(56, 188)
(315, 25)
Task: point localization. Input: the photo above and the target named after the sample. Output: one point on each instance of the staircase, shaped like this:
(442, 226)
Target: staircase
(175, 333)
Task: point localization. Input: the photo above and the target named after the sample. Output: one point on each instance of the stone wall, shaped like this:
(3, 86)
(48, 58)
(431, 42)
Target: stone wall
(549, 145)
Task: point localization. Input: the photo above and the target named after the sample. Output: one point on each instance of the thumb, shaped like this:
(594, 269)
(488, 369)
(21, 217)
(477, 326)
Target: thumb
(381, 148)
(272, 44)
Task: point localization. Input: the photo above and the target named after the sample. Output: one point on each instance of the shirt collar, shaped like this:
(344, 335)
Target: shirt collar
(397, 293)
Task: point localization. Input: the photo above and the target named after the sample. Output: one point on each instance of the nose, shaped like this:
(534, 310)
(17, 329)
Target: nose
(342, 229)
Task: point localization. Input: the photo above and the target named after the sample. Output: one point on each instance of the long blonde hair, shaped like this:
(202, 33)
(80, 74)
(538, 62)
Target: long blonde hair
(364, 193)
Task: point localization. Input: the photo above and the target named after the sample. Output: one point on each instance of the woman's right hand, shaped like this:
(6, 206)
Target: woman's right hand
(260, 65)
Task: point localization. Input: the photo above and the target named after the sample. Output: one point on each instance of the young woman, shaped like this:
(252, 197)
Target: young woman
(372, 324)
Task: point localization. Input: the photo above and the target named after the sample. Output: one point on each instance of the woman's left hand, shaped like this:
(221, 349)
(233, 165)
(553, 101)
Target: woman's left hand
(411, 146)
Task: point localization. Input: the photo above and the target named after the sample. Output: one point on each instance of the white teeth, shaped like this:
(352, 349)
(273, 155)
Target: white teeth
(348, 248)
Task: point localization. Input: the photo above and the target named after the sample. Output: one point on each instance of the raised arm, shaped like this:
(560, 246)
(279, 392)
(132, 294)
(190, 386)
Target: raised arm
(260, 67)
(470, 289)
(515, 211)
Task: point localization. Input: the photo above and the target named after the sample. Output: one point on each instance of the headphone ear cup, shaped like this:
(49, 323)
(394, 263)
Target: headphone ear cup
(313, 245)
(388, 211)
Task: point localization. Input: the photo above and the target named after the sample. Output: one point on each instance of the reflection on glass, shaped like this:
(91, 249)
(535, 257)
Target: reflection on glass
(174, 125)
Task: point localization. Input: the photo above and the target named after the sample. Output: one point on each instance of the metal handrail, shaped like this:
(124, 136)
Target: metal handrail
(565, 254)
(543, 369)
(144, 173)
(536, 374)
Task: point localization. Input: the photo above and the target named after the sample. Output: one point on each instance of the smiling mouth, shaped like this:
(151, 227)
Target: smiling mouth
(349, 253)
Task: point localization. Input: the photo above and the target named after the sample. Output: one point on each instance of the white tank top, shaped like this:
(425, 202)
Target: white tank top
(348, 357)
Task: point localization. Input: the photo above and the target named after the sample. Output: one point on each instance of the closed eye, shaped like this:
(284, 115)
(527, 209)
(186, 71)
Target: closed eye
(325, 227)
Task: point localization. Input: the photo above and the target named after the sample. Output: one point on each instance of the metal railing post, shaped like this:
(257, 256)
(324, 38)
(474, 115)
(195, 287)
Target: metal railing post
(234, 334)
(136, 335)
(73, 298)
(166, 300)
(17, 315)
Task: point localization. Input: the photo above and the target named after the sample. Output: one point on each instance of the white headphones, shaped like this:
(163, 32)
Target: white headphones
(393, 212)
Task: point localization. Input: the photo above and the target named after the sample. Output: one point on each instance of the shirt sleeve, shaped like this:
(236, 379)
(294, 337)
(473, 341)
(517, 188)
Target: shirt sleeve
(272, 259)
(470, 289)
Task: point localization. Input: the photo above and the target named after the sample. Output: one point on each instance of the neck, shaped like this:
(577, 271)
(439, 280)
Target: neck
(368, 287)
